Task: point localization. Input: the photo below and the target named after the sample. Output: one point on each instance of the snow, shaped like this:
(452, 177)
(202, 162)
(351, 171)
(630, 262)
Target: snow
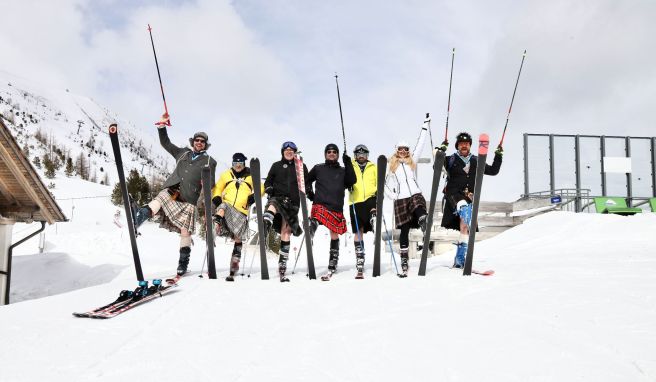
(573, 298)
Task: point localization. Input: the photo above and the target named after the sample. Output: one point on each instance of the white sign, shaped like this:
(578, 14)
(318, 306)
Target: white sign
(617, 164)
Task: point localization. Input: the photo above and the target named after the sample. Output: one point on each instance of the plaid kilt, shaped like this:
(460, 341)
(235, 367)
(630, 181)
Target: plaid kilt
(177, 215)
(403, 209)
(332, 220)
(236, 221)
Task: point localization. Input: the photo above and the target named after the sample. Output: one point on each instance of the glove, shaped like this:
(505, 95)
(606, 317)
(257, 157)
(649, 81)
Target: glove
(218, 219)
(269, 191)
(251, 200)
(346, 159)
(443, 146)
(216, 201)
(164, 121)
(499, 151)
(310, 195)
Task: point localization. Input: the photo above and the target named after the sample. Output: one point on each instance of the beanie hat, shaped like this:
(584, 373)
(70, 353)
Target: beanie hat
(331, 146)
(239, 157)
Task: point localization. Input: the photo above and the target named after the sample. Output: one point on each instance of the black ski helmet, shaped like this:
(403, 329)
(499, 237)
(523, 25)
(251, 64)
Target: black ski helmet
(360, 149)
(463, 137)
(330, 146)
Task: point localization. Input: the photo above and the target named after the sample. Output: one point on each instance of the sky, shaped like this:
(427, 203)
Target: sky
(254, 74)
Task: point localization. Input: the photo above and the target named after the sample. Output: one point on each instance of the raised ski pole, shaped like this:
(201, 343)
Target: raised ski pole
(341, 118)
(166, 110)
(113, 136)
(512, 99)
(483, 144)
(448, 107)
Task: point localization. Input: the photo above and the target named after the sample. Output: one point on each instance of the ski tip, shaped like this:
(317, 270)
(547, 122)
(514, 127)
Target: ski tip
(112, 128)
(483, 144)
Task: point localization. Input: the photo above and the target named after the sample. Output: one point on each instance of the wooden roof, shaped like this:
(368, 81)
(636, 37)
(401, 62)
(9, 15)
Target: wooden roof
(23, 196)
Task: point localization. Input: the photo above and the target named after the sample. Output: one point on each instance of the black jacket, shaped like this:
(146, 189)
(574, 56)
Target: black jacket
(331, 182)
(459, 182)
(187, 172)
(281, 181)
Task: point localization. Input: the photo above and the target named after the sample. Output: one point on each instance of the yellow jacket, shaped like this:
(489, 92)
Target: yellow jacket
(226, 188)
(366, 184)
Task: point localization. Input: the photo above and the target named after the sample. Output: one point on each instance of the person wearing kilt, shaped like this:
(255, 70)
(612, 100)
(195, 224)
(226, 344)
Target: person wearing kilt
(232, 197)
(330, 182)
(281, 210)
(177, 200)
(402, 187)
(363, 201)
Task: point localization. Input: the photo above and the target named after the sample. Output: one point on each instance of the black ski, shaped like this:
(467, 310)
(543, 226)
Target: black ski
(209, 227)
(257, 187)
(300, 179)
(483, 144)
(113, 136)
(438, 165)
(381, 165)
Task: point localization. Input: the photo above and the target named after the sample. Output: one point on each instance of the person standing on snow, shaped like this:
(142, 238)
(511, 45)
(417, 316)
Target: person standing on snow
(331, 181)
(402, 187)
(232, 196)
(458, 192)
(181, 190)
(281, 211)
(362, 202)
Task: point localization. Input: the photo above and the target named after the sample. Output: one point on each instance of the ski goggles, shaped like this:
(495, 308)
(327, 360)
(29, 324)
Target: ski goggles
(362, 154)
(234, 164)
(404, 149)
(289, 145)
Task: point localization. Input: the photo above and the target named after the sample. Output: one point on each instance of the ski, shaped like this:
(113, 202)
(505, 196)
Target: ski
(327, 276)
(129, 299)
(483, 144)
(359, 276)
(488, 272)
(209, 227)
(300, 179)
(257, 187)
(438, 165)
(381, 167)
(113, 136)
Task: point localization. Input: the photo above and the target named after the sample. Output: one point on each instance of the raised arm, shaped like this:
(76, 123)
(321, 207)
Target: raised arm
(416, 153)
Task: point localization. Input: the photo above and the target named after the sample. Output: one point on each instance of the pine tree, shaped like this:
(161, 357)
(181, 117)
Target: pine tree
(69, 167)
(36, 162)
(49, 167)
(138, 187)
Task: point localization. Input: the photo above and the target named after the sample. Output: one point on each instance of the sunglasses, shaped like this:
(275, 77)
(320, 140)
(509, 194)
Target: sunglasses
(331, 151)
(199, 140)
(405, 149)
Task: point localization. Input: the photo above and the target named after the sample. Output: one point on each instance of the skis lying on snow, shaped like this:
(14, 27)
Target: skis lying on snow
(488, 272)
(128, 299)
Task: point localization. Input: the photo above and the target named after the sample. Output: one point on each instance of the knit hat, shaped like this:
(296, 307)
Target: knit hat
(463, 137)
(331, 146)
(239, 157)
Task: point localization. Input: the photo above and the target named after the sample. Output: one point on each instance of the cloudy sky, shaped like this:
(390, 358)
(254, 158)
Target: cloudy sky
(256, 73)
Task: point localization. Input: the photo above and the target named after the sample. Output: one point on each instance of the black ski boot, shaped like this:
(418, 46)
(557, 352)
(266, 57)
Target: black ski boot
(282, 267)
(422, 223)
(185, 253)
(234, 262)
(359, 261)
(144, 213)
(332, 261)
(404, 262)
(267, 217)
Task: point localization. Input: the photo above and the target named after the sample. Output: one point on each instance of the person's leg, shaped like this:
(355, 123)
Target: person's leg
(333, 252)
(285, 236)
(185, 251)
(404, 243)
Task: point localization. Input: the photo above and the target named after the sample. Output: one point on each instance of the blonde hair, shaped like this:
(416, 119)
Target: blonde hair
(394, 161)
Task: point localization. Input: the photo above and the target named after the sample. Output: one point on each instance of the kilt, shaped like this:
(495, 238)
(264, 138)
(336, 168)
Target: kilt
(286, 211)
(363, 211)
(403, 209)
(177, 215)
(332, 220)
(236, 221)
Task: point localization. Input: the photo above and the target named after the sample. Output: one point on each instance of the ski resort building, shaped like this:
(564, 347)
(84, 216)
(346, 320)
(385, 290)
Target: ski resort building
(23, 199)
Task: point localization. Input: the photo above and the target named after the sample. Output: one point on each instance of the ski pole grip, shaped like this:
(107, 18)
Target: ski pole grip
(483, 144)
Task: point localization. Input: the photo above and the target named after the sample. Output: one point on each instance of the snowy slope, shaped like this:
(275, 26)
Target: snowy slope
(573, 298)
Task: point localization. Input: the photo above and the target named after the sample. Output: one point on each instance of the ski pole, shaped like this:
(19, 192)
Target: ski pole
(341, 117)
(448, 107)
(512, 99)
(298, 253)
(389, 242)
(203, 267)
(166, 110)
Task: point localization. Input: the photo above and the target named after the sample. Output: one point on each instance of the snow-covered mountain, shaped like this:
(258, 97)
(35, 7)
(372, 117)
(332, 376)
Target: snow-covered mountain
(75, 125)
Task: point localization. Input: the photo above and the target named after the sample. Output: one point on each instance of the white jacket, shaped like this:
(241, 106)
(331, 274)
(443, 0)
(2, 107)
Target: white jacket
(402, 183)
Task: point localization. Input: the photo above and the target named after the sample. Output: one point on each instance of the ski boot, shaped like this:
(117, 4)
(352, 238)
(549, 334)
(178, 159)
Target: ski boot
(267, 218)
(282, 267)
(234, 267)
(183, 262)
(359, 261)
(332, 261)
(404, 262)
(422, 223)
(142, 214)
(461, 252)
(221, 226)
(465, 212)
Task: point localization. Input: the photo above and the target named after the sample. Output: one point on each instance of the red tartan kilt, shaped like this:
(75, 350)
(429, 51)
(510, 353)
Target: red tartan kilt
(332, 220)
